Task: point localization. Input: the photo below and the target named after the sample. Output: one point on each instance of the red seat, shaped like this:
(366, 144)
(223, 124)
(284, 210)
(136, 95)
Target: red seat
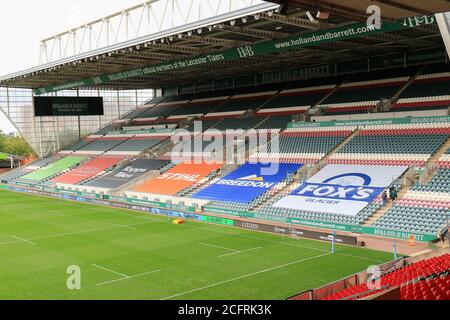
(423, 290)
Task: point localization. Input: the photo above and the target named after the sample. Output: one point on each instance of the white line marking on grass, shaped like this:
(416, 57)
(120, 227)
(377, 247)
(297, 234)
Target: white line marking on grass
(218, 247)
(123, 276)
(245, 276)
(129, 277)
(112, 271)
(287, 244)
(261, 239)
(132, 214)
(238, 252)
(59, 235)
(122, 226)
(360, 257)
(24, 240)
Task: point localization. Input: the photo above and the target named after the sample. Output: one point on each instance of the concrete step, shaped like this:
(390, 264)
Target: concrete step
(382, 211)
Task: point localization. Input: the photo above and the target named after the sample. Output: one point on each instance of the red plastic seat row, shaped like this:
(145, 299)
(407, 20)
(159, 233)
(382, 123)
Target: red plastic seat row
(422, 268)
(290, 160)
(411, 131)
(88, 170)
(421, 104)
(372, 85)
(436, 78)
(444, 164)
(280, 113)
(377, 162)
(424, 203)
(316, 133)
(430, 289)
(349, 109)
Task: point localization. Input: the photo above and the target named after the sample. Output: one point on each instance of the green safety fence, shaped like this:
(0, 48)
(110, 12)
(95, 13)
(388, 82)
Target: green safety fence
(142, 131)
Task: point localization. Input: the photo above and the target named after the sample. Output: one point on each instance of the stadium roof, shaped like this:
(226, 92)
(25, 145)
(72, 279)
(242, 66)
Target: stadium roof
(227, 35)
(356, 9)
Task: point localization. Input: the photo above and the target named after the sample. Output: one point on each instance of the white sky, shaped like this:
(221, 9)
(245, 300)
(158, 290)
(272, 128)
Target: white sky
(24, 23)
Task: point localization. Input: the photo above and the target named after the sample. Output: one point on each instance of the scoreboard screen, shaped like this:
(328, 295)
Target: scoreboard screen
(68, 106)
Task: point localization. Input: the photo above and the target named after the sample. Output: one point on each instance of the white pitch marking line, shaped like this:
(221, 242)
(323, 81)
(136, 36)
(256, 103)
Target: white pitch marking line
(245, 276)
(122, 226)
(112, 271)
(24, 240)
(70, 234)
(286, 244)
(219, 247)
(243, 251)
(130, 277)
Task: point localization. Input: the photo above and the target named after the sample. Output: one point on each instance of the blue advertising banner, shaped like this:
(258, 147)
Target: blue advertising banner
(248, 182)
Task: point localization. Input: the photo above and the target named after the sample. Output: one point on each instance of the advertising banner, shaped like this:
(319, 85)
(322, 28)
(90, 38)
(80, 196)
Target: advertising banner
(374, 122)
(88, 170)
(218, 220)
(293, 231)
(304, 40)
(296, 232)
(342, 189)
(247, 182)
(179, 178)
(125, 174)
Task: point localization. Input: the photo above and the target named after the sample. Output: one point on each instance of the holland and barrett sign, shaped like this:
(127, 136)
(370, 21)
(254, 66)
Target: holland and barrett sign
(293, 42)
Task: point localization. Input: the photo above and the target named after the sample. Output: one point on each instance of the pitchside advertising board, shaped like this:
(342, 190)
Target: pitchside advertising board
(296, 232)
(342, 189)
(248, 182)
(68, 106)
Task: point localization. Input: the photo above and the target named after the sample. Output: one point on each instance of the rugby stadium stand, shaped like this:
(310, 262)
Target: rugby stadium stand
(394, 144)
(88, 170)
(101, 145)
(178, 178)
(127, 173)
(353, 120)
(431, 275)
(53, 169)
(302, 145)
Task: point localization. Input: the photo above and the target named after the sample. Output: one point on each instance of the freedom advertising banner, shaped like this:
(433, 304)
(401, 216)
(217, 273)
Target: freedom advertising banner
(178, 178)
(247, 182)
(342, 189)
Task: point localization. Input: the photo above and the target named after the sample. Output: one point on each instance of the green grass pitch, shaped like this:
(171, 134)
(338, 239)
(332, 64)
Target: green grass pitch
(126, 255)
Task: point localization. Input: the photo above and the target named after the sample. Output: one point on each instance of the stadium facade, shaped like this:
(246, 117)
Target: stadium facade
(324, 114)
(369, 104)
(109, 36)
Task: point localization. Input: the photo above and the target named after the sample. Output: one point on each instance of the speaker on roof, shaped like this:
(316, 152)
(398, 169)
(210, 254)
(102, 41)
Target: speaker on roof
(323, 14)
(283, 7)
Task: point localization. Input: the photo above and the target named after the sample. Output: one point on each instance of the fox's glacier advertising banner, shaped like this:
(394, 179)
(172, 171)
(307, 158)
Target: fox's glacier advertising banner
(247, 182)
(342, 189)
